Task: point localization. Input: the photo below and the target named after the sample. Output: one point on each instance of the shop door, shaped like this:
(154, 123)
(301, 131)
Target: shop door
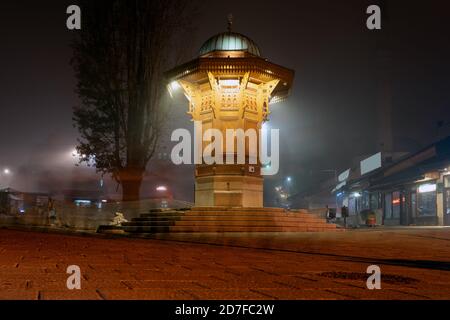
(447, 207)
(405, 209)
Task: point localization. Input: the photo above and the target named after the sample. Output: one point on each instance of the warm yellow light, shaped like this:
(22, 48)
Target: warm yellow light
(229, 82)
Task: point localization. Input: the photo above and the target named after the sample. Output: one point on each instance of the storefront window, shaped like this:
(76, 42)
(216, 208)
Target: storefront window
(374, 201)
(388, 206)
(426, 200)
(413, 205)
(447, 194)
(365, 202)
(396, 202)
(352, 206)
(447, 201)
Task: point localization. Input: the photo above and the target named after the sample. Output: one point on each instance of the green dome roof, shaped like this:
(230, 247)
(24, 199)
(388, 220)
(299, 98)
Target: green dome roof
(230, 41)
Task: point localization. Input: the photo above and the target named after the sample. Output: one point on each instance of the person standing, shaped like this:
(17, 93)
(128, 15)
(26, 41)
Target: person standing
(51, 212)
(344, 213)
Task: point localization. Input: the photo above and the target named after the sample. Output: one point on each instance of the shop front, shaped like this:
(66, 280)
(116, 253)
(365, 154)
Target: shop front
(413, 191)
(391, 209)
(446, 198)
(412, 205)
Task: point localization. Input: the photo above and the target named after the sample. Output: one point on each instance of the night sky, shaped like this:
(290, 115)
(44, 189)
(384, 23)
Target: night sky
(330, 118)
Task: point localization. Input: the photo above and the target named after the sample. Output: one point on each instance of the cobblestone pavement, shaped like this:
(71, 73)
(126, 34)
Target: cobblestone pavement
(415, 264)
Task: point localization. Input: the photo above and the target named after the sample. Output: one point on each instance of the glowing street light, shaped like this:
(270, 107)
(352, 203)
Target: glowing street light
(174, 85)
(161, 189)
(76, 154)
(6, 171)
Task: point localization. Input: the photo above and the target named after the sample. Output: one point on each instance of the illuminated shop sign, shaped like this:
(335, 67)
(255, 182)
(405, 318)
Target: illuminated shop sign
(427, 188)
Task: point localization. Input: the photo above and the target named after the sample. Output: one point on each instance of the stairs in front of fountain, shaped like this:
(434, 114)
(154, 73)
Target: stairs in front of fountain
(206, 220)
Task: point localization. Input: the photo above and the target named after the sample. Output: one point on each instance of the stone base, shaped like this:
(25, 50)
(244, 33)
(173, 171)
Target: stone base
(221, 219)
(229, 191)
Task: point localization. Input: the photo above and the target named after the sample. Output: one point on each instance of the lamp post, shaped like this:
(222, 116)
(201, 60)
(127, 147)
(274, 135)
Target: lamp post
(288, 185)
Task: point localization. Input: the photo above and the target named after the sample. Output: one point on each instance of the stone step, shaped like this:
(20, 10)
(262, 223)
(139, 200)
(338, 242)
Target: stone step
(148, 223)
(247, 210)
(156, 219)
(302, 219)
(163, 214)
(224, 223)
(223, 220)
(225, 216)
(163, 210)
(238, 209)
(209, 229)
(146, 229)
(110, 229)
(249, 214)
(248, 223)
(251, 217)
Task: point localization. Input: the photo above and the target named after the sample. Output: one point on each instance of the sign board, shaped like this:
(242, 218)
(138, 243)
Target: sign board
(344, 176)
(370, 164)
(339, 186)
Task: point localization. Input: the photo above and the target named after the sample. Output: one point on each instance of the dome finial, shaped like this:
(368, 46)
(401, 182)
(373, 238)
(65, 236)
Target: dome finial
(230, 22)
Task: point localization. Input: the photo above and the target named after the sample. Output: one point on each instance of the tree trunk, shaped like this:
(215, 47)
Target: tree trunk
(131, 181)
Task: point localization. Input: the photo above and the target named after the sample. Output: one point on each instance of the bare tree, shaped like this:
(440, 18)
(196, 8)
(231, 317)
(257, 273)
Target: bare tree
(120, 55)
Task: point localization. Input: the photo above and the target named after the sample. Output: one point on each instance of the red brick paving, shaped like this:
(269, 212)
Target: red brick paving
(33, 266)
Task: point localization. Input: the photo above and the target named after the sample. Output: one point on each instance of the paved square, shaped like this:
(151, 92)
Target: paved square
(415, 264)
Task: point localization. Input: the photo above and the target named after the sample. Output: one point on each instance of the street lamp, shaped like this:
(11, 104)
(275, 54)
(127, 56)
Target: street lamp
(288, 187)
(5, 173)
(175, 85)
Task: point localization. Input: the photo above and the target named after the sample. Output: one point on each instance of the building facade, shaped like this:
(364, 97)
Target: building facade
(414, 190)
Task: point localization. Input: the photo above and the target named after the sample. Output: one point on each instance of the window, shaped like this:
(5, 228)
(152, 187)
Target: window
(447, 194)
(447, 201)
(396, 202)
(374, 201)
(413, 204)
(426, 200)
(365, 202)
(388, 206)
(352, 206)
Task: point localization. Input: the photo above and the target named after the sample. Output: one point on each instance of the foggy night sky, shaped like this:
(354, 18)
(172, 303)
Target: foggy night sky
(330, 117)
